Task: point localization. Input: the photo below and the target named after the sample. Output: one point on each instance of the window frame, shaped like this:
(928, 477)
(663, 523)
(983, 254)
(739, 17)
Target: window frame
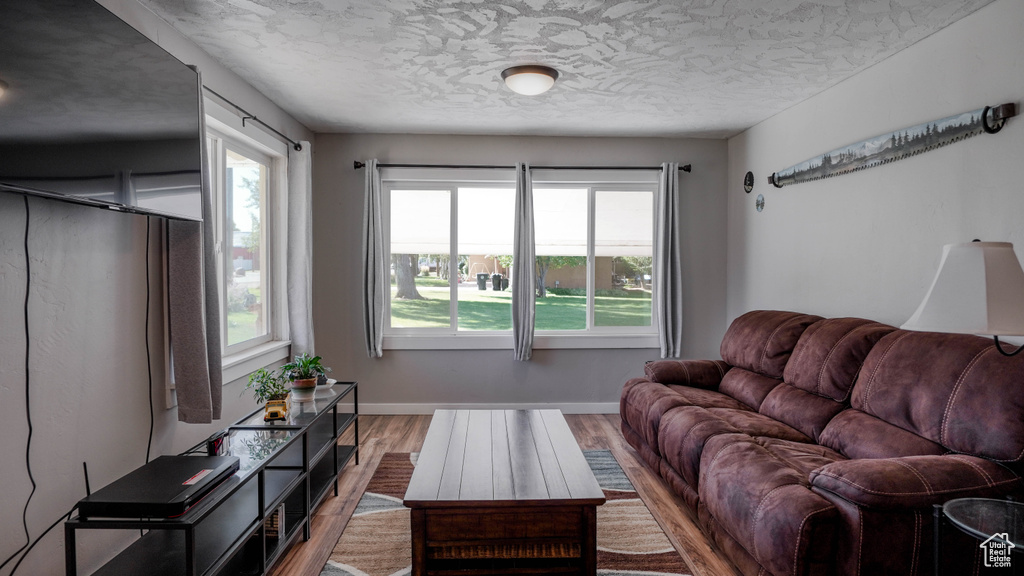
(592, 191)
(452, 187)
(240, 359)
(450, 337)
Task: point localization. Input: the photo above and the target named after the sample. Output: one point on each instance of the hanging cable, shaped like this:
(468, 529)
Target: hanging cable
(28, 411)
(149, 355)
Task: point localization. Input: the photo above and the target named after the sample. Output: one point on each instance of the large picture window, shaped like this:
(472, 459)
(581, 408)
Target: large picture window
(450, 252)
(449, 247)
(243, 184)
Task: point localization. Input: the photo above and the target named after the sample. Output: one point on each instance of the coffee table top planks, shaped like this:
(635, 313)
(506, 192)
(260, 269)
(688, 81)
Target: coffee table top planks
(473, 458)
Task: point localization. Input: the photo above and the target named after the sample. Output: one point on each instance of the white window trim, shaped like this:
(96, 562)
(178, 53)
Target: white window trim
(450, 338)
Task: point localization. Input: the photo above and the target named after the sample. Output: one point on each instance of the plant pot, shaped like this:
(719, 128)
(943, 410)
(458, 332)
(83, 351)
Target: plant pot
(303, 390)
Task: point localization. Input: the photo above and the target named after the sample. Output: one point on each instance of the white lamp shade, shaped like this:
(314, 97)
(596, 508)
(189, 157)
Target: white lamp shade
(530, 80)
(979, 289)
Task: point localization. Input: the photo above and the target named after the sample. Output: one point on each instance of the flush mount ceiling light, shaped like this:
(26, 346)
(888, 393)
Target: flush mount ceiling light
(529, 80)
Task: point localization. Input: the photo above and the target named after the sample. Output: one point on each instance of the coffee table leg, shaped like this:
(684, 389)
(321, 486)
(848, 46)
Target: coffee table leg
(419, 541)
(589, 540)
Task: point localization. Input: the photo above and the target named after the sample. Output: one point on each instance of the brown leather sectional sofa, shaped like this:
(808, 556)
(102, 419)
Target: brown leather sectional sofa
(819, 446)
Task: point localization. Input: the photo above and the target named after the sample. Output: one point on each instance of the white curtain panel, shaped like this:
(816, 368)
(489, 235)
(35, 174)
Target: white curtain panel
(524, 271)
(375, 283)
(668, 276)
(300, 249)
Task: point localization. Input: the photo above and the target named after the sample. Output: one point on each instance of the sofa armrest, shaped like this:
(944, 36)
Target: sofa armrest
(696, 373)
(915, 481)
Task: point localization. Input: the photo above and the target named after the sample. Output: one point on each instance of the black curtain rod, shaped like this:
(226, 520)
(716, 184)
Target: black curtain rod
(248, 116)
(357, 165)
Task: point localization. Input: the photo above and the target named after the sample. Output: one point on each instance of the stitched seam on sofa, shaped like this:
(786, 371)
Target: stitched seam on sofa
(871, 378)
(713, 459)
(757, 515)
(924, 482)
(931, 493)
(682, 441)
(689, 379)
(796, 546)
(821, 371)
(952, 395)
(721, 372)
(798, 351)
(977, 468)
(764, 351)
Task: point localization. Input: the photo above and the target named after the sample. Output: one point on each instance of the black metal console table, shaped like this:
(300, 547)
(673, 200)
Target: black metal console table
(286, 470)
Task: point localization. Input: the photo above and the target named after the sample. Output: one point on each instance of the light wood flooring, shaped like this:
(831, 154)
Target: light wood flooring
(382, 434)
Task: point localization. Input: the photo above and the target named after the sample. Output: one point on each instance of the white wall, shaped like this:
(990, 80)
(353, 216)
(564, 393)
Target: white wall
(88, 372)
(868, 244)
(573, 379)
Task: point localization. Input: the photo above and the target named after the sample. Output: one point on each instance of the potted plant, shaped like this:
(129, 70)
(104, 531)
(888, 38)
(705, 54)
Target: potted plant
(303, 372)
(268, 387)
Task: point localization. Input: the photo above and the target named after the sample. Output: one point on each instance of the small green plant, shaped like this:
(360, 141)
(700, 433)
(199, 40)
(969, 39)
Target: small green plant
(303, 367)
(266, 385)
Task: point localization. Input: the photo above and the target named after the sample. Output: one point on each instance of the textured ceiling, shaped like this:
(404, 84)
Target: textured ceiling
(704, 68)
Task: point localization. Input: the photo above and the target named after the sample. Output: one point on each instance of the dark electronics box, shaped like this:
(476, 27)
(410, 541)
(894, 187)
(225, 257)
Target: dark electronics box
(165, 488)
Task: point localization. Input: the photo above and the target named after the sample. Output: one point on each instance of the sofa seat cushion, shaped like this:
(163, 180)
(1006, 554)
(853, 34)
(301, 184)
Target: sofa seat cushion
(644, 403)
(804, 458)
(684, 431)
(754, 424)
(766, 505)
(707, 398)
(855, 434)
(804, 411)
(915, 481)
(641, 405)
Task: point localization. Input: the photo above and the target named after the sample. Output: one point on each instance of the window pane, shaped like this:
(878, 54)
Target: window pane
(486, 231)
(420, 245)
(246, 183)
(623, 250)
(560, 222)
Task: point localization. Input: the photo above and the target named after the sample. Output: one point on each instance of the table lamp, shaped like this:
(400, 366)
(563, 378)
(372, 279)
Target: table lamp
(979, 289)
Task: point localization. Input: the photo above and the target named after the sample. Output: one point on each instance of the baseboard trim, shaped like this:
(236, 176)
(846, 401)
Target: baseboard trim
(567, 408)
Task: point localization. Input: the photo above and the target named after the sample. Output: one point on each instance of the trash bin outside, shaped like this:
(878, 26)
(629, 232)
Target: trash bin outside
(496, 282)
(481, 281)
(504, 284)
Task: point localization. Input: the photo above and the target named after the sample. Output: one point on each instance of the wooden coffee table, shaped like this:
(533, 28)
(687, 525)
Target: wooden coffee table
(502, 490)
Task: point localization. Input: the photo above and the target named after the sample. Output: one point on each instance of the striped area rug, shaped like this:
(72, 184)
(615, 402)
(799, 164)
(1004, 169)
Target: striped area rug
(376, 541)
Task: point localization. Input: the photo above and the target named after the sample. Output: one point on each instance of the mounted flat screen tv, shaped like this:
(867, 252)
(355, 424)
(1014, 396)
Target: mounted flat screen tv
(96, 113)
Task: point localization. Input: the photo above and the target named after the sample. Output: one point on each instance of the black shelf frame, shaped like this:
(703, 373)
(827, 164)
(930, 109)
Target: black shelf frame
(226, 528)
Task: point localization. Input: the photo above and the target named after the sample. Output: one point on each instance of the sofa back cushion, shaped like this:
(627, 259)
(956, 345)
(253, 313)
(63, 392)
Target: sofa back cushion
(821, 371)
(763, 340)
(830, 353)
(953, 390)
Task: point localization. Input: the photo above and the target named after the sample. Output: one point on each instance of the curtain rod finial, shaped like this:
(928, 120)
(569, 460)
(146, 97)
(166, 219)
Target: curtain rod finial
(686, 168)
(357, 165)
